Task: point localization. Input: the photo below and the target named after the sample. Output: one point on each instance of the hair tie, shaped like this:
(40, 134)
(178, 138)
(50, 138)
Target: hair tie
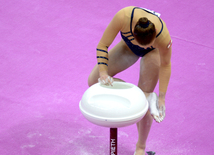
(144, 25)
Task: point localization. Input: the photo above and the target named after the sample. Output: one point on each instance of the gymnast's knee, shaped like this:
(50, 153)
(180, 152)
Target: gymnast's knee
(91, 80)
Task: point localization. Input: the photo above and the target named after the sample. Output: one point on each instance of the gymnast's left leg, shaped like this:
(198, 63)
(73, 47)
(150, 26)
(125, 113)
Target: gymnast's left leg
(149, 74)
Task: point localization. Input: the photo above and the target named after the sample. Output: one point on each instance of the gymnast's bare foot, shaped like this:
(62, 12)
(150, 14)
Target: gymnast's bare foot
(139, 152)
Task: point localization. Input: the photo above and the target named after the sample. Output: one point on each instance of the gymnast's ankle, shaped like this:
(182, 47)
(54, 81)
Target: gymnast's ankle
(140, 149)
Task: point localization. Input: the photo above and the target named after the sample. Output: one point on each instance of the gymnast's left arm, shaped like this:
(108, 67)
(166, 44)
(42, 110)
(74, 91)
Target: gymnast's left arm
(165, 51)
(164, 72)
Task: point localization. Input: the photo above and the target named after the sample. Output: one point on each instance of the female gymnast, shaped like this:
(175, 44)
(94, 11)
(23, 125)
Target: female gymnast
(144, 34)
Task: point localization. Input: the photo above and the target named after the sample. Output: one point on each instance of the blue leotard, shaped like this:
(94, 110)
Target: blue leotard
(139, 51)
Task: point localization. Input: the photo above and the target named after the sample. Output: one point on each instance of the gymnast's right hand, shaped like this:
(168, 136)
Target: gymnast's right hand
(105, 79)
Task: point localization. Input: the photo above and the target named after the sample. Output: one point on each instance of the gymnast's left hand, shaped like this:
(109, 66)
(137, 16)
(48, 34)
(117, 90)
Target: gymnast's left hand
(161, 108)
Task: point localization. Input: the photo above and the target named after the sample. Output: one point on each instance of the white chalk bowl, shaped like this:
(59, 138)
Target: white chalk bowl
(114, 106)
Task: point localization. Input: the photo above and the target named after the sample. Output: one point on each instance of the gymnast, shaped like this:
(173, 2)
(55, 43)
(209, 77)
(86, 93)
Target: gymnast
(144, 34)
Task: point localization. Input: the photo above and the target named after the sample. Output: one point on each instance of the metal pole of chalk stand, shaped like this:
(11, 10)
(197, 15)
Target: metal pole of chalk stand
(113, 141)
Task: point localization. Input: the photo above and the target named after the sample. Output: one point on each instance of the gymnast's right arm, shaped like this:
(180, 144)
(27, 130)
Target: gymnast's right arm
(102, 48)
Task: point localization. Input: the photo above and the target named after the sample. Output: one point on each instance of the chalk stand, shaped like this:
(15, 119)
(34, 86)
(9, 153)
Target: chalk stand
(120, 105)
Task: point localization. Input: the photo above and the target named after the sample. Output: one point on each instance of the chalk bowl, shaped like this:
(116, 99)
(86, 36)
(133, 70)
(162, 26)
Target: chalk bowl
(120, 105)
